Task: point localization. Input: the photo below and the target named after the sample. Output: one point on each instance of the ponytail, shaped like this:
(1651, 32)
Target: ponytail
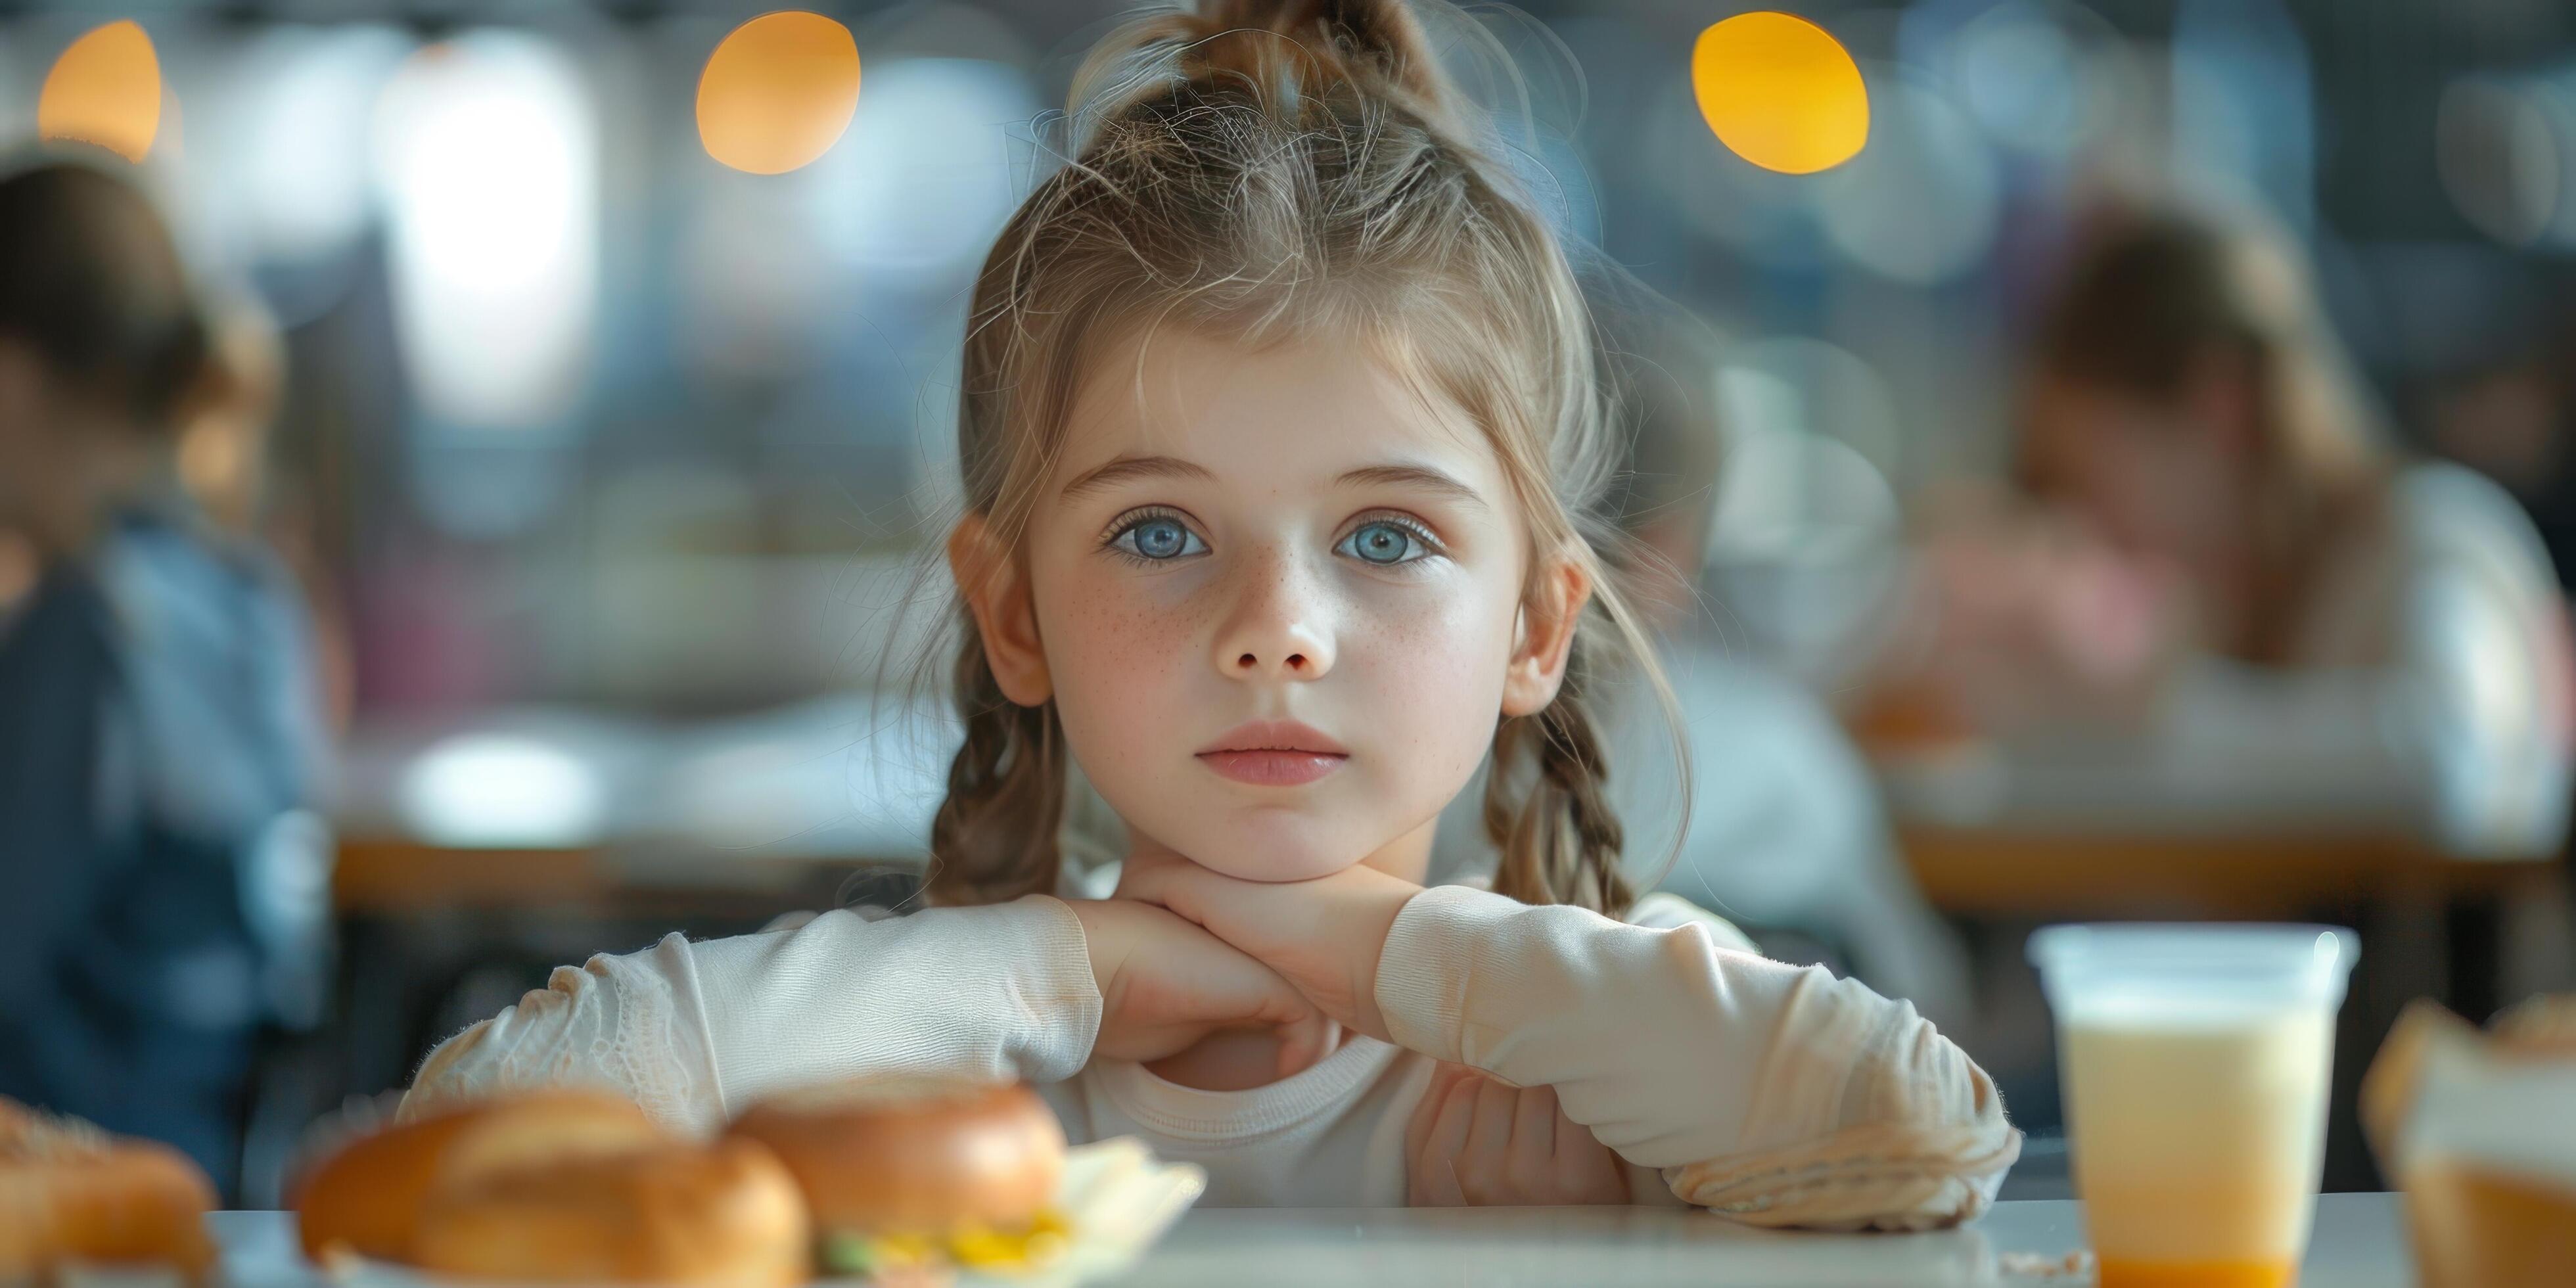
(1277, 51)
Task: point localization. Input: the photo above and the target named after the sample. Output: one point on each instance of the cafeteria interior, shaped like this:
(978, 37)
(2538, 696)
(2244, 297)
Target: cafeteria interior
(2077, 462)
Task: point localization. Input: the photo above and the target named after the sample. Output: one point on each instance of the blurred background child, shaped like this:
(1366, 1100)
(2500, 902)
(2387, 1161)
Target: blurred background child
(161, 756)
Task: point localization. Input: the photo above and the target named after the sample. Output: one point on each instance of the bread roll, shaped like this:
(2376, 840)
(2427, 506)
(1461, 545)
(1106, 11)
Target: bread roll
(72, 1193)
(367, 1197)
(908, 1157)
(2475, 1227)
(2479, 1129)
(721, 1216)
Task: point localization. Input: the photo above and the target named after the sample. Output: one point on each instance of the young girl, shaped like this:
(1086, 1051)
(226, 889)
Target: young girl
(1278, 428)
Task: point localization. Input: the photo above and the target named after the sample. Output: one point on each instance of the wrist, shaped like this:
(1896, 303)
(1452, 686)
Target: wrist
(1101, 942)
(1385, 905)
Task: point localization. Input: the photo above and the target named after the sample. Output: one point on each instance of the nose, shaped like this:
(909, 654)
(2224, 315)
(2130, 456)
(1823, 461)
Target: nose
(1278, 629)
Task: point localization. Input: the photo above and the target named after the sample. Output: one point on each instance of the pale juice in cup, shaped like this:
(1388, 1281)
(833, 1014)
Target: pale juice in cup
(2197, 1142)
(2195, 1063)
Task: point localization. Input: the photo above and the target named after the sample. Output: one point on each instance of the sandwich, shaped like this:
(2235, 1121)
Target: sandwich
(905, 1176)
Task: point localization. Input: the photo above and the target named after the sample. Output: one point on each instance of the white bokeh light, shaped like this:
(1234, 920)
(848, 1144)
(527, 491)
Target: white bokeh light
(928, 172)
(2028, 78)
(491, 791)
(294, 137)
(1804, 542)
(2504, 146)
(488, 154)
(1921, 203)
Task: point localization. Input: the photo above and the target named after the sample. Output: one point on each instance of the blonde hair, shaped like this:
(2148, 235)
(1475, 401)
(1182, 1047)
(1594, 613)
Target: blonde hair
(1258, 170)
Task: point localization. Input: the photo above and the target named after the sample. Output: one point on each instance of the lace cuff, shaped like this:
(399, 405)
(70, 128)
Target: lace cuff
(606, 1024)
(1879, 1176)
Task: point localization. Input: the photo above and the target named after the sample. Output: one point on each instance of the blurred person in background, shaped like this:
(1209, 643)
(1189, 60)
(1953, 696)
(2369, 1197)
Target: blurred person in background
(164, 881)
(1785, 832)
(224, 465)
(2235, 568)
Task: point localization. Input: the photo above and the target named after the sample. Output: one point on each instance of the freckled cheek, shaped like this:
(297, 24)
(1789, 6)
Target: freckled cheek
(1119, 653)
(1435, 665)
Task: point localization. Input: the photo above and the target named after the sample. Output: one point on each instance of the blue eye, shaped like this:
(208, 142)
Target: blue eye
(1158, 538)
(1385, 543)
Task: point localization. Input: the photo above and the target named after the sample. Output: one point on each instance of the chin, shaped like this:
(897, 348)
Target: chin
(1264, 851)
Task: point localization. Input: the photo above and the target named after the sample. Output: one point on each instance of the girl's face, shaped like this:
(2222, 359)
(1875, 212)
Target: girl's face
(1278, 600)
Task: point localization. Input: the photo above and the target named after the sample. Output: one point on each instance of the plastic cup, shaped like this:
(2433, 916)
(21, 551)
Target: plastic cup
(2195, 1061)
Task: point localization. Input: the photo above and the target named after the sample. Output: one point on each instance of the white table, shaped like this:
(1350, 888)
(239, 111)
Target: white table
(2359, 1243)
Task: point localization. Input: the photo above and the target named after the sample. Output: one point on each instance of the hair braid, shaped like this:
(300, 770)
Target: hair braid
(994, 838)
(1559, 839)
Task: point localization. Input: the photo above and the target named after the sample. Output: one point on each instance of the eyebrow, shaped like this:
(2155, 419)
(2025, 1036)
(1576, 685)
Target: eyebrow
(1127, 468)
(1413, 476)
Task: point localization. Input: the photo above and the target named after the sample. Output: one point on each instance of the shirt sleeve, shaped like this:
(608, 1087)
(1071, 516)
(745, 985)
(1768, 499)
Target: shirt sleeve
(694, 1032)
(1773, 1094)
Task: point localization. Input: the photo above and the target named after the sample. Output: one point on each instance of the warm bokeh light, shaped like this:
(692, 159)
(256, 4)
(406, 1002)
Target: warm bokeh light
(1780, 92)
(778, 92)
(105, 90)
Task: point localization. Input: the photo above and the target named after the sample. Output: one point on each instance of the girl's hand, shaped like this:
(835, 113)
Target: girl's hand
(1324, 936)
(1165, 984)
(1475, 1142)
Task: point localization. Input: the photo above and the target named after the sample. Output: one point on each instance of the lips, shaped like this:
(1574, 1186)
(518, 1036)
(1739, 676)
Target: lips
(1274, 753)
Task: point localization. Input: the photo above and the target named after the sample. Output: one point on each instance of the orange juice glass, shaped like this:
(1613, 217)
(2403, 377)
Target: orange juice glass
(2195, 1061)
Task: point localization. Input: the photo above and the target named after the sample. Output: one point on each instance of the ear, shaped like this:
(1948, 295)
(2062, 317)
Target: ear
(1544, 636)
(997, 593)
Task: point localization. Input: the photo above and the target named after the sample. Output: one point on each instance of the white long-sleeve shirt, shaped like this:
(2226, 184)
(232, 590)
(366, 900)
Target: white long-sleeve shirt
(1776, 1094)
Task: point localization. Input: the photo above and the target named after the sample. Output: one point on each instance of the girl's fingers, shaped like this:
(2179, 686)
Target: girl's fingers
(1303, 1042)
(1590, 1171)
(1163, 885)
(1187, 890)
(1575, 1143)
(1475, 1140)
(1485, 1164)
(1534, 1119)
(1435, 1180)
(1426, 1110)
(1224, 988)
(1448, 1188)
(1529, 1168)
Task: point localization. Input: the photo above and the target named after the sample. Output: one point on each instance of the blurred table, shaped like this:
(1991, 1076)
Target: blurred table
(562, 809)
(542, 808)
(2072, 831)
(2068, 872)
(2358, 1244)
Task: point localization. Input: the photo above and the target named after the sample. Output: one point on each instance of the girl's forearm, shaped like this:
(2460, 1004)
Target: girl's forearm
(694, 1032)
(1729, 1072)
